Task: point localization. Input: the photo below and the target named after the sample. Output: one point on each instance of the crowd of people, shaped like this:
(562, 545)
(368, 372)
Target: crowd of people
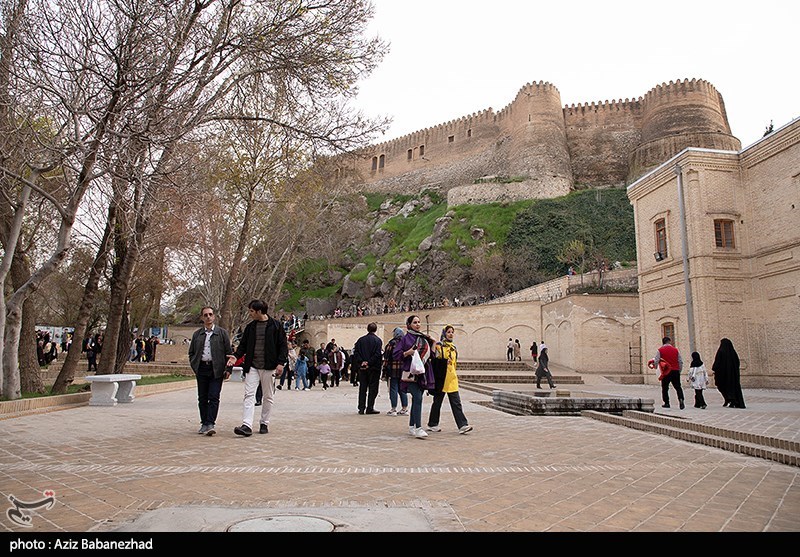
(46, 349)
(143, 349)
(374, 307)
(411, 363)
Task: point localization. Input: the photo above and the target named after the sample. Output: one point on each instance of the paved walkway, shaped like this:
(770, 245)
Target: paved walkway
(142, 467)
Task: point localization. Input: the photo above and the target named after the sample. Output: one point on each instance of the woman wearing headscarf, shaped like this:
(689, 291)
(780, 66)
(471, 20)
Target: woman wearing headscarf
(698, 378)
(415, 341)
(392, 372)
(726, 374)
(543, 369)
(446, 350)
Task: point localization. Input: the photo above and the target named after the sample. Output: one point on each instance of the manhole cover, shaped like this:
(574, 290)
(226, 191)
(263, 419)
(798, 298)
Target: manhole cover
(286, 523)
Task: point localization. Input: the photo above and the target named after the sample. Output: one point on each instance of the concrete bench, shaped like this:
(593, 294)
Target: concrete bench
(236, 374)
(107, 390)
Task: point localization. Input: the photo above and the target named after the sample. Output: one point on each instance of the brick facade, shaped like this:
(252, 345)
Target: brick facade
(749, 292)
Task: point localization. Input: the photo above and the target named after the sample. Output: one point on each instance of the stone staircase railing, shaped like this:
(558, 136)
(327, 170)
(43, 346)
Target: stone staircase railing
(560, 287)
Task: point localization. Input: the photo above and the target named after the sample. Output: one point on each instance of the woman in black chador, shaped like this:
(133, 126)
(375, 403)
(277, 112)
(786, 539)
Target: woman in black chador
(726, 374)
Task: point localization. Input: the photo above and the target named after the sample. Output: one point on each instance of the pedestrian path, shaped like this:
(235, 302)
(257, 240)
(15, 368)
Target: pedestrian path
(142, 467)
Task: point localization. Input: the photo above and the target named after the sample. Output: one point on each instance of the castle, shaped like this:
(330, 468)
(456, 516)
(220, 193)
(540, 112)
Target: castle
(717, 229)
(535, 148)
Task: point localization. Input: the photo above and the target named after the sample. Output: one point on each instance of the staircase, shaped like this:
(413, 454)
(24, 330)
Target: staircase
(770, 448)
(508, 372)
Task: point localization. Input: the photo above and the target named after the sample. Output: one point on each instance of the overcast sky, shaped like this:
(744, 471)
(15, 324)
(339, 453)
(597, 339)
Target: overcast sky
(451, 58)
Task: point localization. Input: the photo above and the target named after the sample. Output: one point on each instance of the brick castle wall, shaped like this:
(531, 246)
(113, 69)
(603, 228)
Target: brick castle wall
(546, 148)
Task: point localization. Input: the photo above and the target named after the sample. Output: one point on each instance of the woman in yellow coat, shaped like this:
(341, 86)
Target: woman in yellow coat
(447, 350)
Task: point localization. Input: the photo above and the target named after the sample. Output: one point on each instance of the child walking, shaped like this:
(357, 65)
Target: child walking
(698, 378)
(300, 370)
(324, 371)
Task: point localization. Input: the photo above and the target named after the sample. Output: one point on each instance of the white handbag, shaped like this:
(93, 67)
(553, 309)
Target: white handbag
(417, 367)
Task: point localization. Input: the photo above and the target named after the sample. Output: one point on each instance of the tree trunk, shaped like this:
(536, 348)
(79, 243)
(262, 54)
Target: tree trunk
(226, 311)
(67, 374)
(122, 353)
(29, 371)
(117, 306)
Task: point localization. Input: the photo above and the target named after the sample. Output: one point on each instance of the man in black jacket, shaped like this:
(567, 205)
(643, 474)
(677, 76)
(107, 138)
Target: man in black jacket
(266, 352)
(209, 348)
(367, 360)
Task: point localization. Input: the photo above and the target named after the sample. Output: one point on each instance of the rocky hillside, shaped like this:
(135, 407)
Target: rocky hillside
(415, 249)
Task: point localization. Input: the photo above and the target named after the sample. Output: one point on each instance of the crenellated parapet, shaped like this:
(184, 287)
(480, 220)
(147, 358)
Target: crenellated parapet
(666, 92)
(605, 106)
(474, 119)
(535, 137)
(677, 115)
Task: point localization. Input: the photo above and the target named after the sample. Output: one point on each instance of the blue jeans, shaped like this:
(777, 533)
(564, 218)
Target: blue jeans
(300, 376)
(394, 391)
(415, 416)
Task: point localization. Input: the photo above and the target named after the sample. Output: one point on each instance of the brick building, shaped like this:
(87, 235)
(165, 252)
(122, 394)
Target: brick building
(724, 262)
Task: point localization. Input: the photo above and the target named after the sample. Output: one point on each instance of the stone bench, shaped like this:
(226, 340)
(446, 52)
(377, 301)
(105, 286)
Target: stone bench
(108, 390)
(236, 374)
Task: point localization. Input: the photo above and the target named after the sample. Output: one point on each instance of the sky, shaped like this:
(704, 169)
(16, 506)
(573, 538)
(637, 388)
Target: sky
(452, 58)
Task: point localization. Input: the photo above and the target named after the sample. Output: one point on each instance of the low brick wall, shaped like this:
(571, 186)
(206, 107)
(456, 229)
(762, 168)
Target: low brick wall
(8, 407)
(532, 405)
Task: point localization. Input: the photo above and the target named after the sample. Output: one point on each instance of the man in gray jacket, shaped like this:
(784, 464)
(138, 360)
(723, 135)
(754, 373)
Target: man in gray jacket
(208, 354)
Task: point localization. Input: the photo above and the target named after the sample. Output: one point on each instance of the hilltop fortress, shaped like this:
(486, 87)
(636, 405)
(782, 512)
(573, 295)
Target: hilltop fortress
(535, 148)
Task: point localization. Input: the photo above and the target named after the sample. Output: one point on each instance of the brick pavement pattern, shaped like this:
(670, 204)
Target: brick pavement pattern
(111, 467)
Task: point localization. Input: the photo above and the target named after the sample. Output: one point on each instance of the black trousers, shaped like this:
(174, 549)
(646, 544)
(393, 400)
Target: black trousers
(209, 389)
(549, 379)
(699, 399)
(369, 381)
(455, 406)
(674, 379)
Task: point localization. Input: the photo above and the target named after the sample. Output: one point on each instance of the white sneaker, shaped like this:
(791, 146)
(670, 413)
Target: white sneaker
(402, 412)
(419, 433)
(465, 429)
(392, 412)
(434, 428)
(412, 430)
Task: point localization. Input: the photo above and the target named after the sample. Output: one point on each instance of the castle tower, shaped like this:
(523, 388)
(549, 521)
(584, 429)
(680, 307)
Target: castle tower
(678, 115)
(538, 147)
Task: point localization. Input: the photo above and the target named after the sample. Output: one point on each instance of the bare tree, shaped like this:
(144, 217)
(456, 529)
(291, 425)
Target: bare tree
(307, 53)
(575, 254)
(486, 274)
(57, 101)
(123, 84)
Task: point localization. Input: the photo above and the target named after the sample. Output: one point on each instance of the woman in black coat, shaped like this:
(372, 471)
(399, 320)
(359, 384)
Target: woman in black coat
(543, 370)
(726, 374)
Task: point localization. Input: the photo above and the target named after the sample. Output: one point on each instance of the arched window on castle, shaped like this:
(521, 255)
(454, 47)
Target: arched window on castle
(381, 162)
(374, 164)
(469, 132)
(410, 154)
(421, 150)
